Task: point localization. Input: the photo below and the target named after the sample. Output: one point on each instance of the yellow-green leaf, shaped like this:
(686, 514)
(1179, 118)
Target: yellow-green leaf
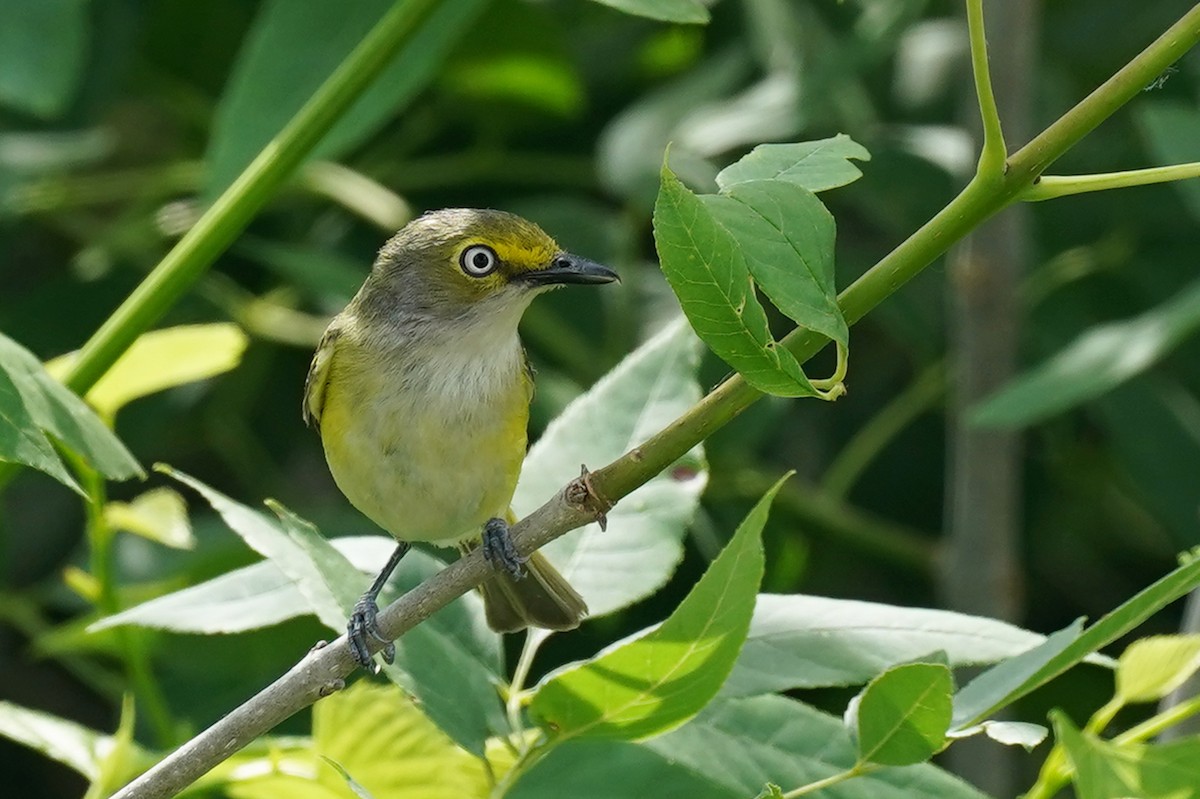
(159, 515)
(659, 680)
(162, 359)
(1151, 668)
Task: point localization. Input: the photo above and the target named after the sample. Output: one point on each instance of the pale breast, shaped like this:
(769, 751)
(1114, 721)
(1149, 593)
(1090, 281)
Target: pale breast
(428, 445)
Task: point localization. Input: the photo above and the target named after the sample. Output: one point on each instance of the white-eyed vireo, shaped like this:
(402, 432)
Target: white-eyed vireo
(420, 389)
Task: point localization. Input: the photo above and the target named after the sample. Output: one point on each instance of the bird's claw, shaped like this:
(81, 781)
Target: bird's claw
(364, 624)
(499, 550)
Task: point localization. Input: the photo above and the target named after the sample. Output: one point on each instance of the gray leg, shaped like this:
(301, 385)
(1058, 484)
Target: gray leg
(499, 551)
(363, 622)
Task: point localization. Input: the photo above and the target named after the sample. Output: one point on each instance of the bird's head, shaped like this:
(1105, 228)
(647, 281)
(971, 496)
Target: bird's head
(461, 262)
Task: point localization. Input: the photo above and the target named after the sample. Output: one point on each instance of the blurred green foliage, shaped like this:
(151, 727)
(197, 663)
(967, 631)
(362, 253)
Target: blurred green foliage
(118, 118)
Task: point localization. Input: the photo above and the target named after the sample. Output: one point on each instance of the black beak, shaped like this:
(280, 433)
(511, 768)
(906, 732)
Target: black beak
(567, 268)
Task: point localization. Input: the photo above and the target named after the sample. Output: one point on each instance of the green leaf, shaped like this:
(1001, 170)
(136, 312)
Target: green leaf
(293, 47)
(786, 237)
(1172, 132)
(904, 713)
(816, 165)
(451, 667)
(1006, 681)
(66, 742)
(1098, 361)
(741, 743)
(684, 11)
(388, 746)
(261, 595)
(158, 515)
(643, 542)
(162, 359)
(328, 582)
(599, 769)
(33, 405)
(707, 269)
(770, 791)
(798, 641)
(1151, 668)
(1003, 684)
(1108, 771)
(43, 47)
(657, 681)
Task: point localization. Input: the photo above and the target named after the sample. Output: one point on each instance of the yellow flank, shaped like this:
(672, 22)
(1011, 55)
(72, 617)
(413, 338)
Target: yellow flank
(431, 456)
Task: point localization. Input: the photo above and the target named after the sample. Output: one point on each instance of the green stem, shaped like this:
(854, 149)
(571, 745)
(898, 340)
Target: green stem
(994, 151)
(101, 537)
(1104, 716)
(857, 770)
(233, 210)
(357, 193)
(1050, 187)
(981, 199)
(882, 428)
(1156, 724)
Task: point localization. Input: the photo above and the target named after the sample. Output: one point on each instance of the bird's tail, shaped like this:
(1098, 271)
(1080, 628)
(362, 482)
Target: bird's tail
(540, 598)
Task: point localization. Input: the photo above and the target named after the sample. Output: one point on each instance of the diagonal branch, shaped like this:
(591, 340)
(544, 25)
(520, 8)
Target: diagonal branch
(324, 670)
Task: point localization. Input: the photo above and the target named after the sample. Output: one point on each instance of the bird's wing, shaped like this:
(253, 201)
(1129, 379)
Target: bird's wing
(318, 378)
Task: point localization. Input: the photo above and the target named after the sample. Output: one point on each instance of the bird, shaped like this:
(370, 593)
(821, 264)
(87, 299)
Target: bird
(420, 391)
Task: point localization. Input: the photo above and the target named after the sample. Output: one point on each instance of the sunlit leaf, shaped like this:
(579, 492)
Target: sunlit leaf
(162, 359)
(815, 165)
(707, 268)
(904, 713)
(643, 541)
(35, 407)
(656, 681)
(1150, 668)
(71, 744)
(1097, 362)
(1010, 733)
(158, 515)
(389, 747)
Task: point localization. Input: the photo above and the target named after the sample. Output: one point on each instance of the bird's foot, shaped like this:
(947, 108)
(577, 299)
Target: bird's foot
(498, 549)
(364, 624)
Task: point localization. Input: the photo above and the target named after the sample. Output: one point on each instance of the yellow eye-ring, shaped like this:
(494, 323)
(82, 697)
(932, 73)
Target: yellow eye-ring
(478, 260)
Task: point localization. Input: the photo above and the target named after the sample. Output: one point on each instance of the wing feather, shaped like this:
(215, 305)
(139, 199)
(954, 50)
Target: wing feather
(318, 378)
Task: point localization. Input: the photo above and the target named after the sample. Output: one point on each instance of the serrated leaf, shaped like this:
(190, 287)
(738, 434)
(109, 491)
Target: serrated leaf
(682, 11)
(1098, 361)
(659, 680)
(162, 359)
(1005, 683)
(816, 165)
(798, 641)
(707, 269)
(328, 582)
(786, 236)
(293, 47)
(33, 405)
(158, 515)
(643, 542)
(1151, 668)
(740, 743)
(383, 741)
(904, 713)
(455, 688)
(1105, 770)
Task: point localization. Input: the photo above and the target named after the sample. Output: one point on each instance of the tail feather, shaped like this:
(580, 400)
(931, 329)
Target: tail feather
(541, 598)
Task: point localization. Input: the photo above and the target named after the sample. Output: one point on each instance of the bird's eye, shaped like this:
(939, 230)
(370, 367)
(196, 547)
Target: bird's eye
(478, 260)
